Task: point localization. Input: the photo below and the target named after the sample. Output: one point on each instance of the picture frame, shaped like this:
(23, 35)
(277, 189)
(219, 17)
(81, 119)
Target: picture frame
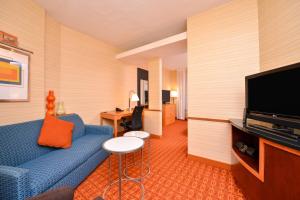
(8, 39)
(14, 75)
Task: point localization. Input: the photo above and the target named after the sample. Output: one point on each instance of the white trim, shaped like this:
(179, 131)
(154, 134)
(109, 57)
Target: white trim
(153, 45)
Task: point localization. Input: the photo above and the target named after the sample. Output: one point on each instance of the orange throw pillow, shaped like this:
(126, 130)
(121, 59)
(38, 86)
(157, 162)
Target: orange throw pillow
(56, 133)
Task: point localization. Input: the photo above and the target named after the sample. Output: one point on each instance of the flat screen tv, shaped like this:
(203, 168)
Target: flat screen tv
(165, 96)
(275, 93)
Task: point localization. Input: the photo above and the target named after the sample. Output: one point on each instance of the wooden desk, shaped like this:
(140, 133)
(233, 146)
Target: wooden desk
(115, 116)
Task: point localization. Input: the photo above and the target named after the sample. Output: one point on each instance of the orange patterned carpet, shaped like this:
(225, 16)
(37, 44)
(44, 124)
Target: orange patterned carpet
(173, 175)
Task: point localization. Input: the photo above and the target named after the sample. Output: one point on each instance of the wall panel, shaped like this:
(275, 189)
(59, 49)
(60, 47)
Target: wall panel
(92, 80)
(213, 140)
(26, 20)
(169, 79)
(52, 56)
(81, 70)
(222, 49)
(279, 30)
(153, 119)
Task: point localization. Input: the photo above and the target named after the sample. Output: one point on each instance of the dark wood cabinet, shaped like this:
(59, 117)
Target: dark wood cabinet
(272, 174)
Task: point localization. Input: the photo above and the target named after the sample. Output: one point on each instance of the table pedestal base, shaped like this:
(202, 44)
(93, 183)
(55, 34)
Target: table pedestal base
(120, 179)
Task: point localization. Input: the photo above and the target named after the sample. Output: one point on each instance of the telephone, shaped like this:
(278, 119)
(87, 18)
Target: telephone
(119, 109)
(242, 147)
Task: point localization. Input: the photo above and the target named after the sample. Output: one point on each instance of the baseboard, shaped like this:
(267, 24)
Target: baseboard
(211, 162)
(155, 136)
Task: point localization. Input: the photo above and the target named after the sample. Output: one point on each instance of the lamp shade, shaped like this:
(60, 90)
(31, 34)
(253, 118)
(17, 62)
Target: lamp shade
(134, 97)
(174, 93)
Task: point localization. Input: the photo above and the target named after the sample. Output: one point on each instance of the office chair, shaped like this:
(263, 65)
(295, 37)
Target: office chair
(136, 122)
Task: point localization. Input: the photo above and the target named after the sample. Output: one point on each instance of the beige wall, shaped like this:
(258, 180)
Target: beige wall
(82, 70)
(52, 56)
(222, 49)
(279, 33)
(169, 79)
(153, 117)
(91, 78)
(26, 20)
(155, 83)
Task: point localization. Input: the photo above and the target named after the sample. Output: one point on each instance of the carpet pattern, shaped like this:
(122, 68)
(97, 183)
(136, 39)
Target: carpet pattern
(173, 175)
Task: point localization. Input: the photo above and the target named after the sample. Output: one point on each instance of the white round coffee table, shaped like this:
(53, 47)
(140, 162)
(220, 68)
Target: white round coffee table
(146, 137)
(120, 146)
(140, 134)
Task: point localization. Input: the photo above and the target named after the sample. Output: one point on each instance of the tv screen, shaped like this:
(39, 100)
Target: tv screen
(165, 96)
(275, 92)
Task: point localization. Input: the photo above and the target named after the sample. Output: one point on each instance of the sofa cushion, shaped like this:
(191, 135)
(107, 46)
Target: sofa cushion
(56, 133)
(48, 169)
(78, 130)
(18, 143)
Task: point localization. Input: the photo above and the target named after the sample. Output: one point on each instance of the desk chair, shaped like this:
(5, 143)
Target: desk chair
(136, 122)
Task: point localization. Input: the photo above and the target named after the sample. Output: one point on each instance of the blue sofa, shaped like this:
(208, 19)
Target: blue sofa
(27, 169)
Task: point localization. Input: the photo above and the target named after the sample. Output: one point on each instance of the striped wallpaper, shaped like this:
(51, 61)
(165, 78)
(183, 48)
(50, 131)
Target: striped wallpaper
(26, 20)
(222, 49)
(279, 33)
(81, 70)
(153, 119)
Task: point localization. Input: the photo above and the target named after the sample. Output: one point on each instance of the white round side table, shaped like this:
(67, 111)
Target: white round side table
(146, 137)
(120, 146)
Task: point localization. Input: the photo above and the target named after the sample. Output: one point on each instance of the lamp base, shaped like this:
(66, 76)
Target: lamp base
(173, 100)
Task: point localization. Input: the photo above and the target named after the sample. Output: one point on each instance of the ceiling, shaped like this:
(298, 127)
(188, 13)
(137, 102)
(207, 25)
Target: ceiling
(173, 55)
(126, 24)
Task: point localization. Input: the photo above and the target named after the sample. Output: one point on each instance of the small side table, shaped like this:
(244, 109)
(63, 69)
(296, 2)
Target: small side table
(146, 137)
(120, 146)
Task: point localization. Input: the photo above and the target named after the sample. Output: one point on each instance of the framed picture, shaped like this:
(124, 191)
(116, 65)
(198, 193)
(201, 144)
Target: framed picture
(14, 75)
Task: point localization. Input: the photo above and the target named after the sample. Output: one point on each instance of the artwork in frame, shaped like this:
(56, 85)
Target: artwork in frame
(14, 75)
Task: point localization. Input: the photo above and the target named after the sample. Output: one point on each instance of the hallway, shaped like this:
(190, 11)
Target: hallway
(173, 175)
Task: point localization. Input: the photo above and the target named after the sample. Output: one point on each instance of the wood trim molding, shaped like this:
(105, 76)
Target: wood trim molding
(281, 147)
(16, 49)
(153, 110)
(155, 136)
(260, 174)
(262, 145)
(210, 162)
(261, 160)
(209, 119)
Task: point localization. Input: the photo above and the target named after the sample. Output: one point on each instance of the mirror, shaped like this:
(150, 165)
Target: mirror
(144, 92)
(143, 87)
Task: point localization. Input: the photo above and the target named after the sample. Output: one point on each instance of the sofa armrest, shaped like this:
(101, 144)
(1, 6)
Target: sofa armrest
(102, 130)
(14, 183)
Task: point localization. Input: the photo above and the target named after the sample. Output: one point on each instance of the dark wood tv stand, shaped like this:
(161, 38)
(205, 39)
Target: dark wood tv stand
(273, 174)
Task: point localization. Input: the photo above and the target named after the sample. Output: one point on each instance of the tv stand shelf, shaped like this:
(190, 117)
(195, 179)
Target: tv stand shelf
(265, 175)
(252, 164)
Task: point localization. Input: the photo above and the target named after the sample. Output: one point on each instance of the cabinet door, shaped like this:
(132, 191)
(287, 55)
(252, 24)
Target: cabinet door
(282, 177)
(173, 113)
